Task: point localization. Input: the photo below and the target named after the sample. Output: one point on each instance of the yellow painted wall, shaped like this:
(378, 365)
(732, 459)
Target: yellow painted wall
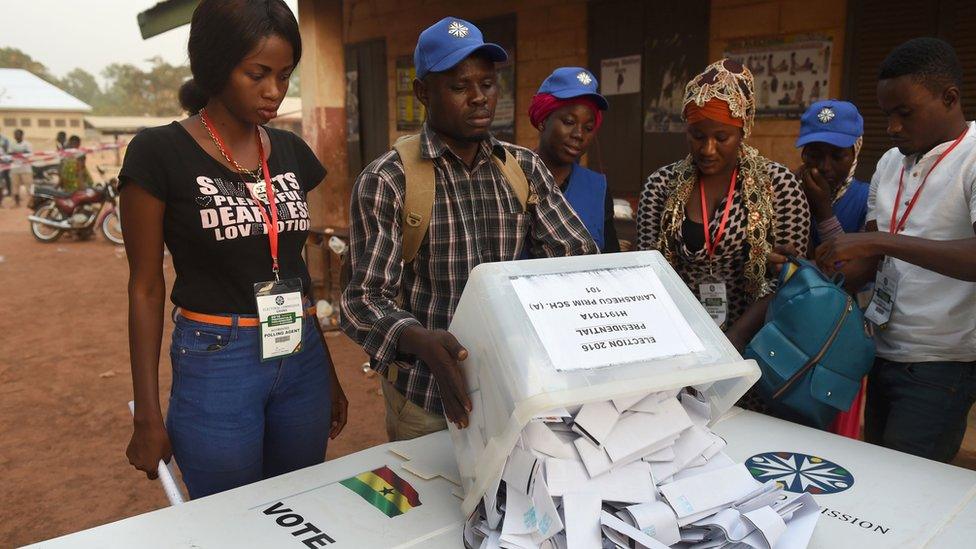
(42, 137)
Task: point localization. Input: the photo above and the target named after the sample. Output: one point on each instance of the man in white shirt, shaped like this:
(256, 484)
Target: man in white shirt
(21, 174)
(921, 239)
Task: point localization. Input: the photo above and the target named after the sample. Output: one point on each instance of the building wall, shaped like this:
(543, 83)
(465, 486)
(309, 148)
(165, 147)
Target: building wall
(550, 34)
(41, 127)
(735, 20)
(554, 33)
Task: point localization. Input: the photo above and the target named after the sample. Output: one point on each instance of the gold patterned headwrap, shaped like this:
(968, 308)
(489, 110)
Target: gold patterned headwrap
(732, 83)
(729, 82)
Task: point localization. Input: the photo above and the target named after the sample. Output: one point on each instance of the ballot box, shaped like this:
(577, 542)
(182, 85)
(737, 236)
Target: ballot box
(548, 334)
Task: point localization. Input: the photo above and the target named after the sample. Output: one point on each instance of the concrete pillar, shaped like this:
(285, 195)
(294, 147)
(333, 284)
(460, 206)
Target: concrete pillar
(323, 82)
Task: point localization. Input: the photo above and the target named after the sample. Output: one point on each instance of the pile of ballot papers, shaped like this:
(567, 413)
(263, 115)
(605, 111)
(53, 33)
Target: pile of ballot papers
(640, 472)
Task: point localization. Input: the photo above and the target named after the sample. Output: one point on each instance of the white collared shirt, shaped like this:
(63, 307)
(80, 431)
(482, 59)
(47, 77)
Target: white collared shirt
(934, 316)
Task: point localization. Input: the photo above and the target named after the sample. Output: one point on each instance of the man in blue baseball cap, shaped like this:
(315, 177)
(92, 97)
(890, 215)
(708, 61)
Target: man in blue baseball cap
(831, 134)
(411, 252)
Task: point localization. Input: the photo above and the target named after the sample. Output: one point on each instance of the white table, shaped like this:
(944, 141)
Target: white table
(895, 500)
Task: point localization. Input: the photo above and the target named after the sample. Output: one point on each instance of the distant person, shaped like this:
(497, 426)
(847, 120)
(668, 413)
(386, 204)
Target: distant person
(4, 170)
(22, 173)
(568, 111)
(243, 406)
(73, 172)
(59, 141)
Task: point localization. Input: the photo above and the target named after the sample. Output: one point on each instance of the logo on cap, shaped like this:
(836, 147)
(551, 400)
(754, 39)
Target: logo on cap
(457, 29)
(584, 78)
(825, 115)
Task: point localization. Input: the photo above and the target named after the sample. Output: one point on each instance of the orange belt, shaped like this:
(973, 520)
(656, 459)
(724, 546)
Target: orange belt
(242, 321)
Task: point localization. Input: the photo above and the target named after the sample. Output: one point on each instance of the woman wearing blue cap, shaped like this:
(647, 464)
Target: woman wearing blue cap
(568, 111)
(831, 134)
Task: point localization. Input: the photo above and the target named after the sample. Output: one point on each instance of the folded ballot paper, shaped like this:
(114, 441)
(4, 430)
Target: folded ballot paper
(641, 472)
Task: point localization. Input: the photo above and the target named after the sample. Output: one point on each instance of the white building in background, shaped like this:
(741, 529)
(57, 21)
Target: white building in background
(39, 108)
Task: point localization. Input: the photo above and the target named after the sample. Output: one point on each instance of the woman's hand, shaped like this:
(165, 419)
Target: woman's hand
(148, 445)
(340, 409)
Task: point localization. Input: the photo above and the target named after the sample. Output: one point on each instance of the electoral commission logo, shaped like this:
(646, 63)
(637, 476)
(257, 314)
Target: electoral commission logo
(800, 473)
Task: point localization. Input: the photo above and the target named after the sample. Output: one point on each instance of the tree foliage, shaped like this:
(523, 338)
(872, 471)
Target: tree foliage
(129, 90)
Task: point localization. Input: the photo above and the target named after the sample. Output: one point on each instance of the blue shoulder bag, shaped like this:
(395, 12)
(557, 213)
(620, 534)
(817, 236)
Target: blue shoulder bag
(813, 350)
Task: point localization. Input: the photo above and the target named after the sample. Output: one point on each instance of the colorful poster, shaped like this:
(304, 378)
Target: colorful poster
(790, 73)
(410, 112)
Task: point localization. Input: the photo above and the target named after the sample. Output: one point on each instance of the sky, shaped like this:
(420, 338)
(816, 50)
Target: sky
(91, 34)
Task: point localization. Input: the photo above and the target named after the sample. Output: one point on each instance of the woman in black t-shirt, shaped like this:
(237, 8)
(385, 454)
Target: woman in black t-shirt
(216, 188)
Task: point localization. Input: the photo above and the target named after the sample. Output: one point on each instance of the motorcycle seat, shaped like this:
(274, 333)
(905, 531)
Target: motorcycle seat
(44, 190)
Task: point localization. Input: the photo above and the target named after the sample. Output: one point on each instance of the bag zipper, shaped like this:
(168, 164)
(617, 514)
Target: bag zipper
(823, 350)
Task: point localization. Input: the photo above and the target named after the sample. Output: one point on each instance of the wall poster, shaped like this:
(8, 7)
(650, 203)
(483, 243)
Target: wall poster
(790, 73)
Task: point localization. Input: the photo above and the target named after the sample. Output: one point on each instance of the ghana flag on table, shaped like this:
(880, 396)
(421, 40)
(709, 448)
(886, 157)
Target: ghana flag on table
(383, 489)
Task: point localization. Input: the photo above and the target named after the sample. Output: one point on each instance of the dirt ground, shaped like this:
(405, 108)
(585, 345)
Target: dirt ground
(64, 385)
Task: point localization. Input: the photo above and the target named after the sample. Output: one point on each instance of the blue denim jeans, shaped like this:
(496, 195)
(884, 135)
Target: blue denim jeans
(919, 408)
(233, 419)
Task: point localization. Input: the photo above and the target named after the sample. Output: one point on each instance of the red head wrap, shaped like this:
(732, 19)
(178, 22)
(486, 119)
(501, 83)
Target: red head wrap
(544, 104)
(714, 109)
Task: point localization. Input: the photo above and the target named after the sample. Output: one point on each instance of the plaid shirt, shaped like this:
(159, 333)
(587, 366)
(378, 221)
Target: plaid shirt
(476, 218)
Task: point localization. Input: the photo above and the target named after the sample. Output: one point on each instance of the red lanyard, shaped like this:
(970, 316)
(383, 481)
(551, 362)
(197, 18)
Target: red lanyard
(270, 223)
(899, 226)
(710, 245)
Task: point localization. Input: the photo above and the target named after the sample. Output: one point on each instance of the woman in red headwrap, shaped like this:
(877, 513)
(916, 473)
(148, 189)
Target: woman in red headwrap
(568, 111)
(718, 214)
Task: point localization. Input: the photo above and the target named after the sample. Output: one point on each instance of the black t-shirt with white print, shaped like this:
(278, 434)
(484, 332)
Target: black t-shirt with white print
(212, 226)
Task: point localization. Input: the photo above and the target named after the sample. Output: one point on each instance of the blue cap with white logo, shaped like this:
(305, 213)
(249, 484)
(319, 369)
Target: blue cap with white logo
(835, 122)
(448, 42)
(569, 82)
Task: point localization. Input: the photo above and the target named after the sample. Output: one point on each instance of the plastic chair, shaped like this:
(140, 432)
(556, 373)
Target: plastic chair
(165, 472)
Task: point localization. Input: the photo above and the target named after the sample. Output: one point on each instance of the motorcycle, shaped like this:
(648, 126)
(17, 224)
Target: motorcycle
(57, 211)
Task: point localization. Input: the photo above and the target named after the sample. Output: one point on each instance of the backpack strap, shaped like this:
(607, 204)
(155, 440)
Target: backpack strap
(418, 200)
(420, 188)
(513, 173)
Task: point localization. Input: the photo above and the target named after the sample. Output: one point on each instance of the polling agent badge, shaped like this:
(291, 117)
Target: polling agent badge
(584, 78)
(825, 115)
(457, 29)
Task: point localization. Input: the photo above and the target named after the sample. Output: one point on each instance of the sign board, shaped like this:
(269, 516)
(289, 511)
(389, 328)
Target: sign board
(597, 318)
(790, 74)
(620, 75)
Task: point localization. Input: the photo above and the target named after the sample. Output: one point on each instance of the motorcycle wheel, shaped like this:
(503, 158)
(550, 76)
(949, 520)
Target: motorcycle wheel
(112, 228)
(47, 233)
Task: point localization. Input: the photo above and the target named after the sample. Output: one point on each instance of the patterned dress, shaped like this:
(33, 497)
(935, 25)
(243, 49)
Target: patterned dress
(791, 225)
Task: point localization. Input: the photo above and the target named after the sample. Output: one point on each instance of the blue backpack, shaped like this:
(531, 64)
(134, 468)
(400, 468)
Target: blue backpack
(813, 350)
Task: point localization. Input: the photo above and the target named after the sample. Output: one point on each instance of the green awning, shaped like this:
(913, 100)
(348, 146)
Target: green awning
(164, 16)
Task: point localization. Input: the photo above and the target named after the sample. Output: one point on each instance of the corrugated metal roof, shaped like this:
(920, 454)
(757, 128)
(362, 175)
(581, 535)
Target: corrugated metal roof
(126, 124)
(22, 90)
(290, 109)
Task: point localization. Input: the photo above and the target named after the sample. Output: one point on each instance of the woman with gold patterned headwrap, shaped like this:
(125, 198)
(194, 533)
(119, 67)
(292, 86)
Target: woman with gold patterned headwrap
(748, 203)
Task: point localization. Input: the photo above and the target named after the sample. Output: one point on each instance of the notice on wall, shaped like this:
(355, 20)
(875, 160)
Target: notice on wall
(410, 112)
(604, 317)
(790, 73)
(620, 75)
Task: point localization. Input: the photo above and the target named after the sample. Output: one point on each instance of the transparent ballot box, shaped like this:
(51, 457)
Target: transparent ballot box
(548, 335)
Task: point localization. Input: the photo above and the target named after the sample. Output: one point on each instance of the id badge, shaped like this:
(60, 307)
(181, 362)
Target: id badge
(883, 301)
(280, 308)
(715, 299)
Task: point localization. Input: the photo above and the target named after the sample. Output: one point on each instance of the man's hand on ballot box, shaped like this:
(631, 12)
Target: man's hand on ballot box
(442, 353)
